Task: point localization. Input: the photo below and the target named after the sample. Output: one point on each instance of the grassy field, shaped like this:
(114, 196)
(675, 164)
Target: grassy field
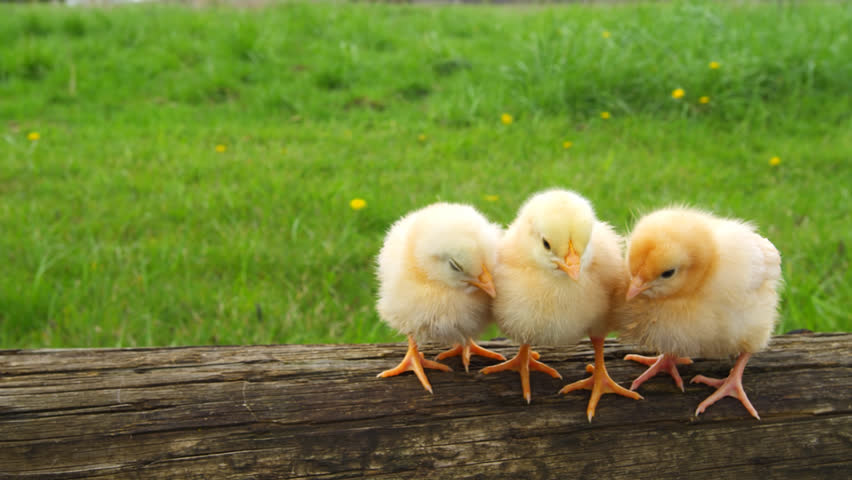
(172, 175)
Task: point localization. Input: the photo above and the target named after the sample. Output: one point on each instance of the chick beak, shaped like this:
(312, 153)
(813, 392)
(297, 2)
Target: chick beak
(571, 264)
(637, 286)
(485, 282)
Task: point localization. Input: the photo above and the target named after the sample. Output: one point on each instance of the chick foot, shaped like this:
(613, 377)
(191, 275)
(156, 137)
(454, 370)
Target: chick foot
(415, 361)
(522, 363)
(600, 382)
(661, 363)
(732, 386)
(469, 348)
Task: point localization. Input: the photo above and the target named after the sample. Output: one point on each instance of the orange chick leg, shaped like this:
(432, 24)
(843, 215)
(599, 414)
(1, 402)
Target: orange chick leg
(600, 382)
(522, 363)
(414, 361)
(470, 348)
(661, 363)
(732, 386)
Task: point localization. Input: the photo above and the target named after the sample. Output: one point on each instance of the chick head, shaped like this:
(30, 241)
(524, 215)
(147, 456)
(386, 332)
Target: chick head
(556, 228)
(670, 253)
(455, 245)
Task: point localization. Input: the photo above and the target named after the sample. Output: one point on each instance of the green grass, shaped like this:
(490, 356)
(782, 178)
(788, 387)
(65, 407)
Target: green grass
(123, 226)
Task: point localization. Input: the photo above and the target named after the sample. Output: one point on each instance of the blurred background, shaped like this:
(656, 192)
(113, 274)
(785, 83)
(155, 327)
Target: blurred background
(224, 172)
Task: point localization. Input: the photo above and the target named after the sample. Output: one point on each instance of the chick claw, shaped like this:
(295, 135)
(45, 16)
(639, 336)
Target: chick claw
(659, 364)
(522, 363)
(415, 361)
(732, 386)
(470, 348)
(599, 383)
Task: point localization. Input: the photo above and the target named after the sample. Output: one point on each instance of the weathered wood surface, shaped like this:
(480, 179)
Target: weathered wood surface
(294, 411)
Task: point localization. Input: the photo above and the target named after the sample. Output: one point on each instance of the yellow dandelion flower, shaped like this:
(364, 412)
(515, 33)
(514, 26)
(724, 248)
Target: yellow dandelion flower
(705, 100)
(357, 203)
(605, 115)
(714, 65)
(421, 137)
(506, 119)
(33, 136)
(567, 144)
(678, 93)
(491, 198)
(283, 150)
(605, 34)
(221, 148)
(774, 161)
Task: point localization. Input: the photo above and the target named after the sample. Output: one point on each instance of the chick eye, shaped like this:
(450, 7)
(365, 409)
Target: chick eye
(668, 273)
(545, 243)
(455, 266)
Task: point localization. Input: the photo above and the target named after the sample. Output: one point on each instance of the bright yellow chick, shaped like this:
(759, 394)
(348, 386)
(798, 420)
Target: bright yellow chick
(435, 284)
(700, 286)
(559, 271)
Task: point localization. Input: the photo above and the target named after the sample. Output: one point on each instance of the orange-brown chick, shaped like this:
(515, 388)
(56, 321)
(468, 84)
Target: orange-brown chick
(700, 286)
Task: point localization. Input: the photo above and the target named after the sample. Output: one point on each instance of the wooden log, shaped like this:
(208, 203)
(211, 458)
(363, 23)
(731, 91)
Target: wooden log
(318, 411)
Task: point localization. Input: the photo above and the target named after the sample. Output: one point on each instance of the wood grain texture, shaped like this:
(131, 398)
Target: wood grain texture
(317, 411)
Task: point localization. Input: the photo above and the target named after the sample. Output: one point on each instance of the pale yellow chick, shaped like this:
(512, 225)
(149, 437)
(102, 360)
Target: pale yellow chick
(700, 286)
(559, 272)
(435, 284)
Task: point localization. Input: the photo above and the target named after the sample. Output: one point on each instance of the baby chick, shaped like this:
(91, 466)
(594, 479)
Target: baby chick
(559, 271)
(435, 283)
(700, 286)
